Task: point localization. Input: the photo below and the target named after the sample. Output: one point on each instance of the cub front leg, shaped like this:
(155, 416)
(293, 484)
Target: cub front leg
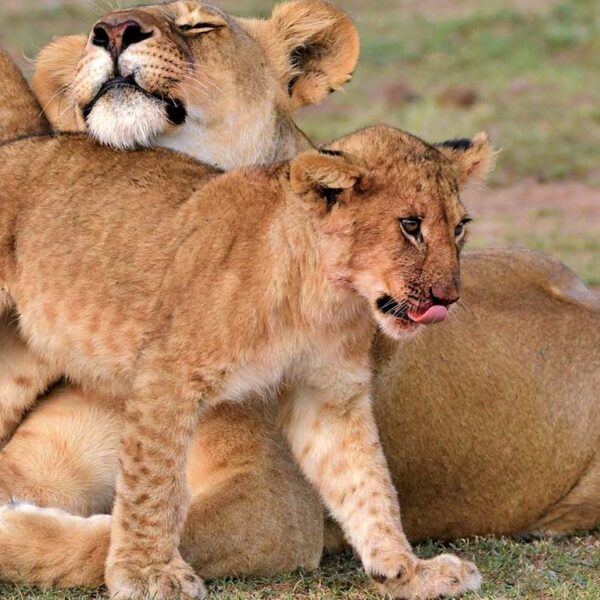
(330, 425)
(152, 495)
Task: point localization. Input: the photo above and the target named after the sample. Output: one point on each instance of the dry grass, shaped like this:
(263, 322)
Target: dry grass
(567, 569)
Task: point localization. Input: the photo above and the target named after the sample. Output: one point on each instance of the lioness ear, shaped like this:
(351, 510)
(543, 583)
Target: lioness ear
(473, 159)
(54, 71)
(323, 176)
(314, 46)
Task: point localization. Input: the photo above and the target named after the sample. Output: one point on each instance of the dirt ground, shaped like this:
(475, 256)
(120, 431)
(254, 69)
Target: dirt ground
(560, 217)
(575, 204)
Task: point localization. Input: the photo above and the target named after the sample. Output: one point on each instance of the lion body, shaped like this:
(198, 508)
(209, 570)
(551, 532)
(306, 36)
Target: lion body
(490, 421)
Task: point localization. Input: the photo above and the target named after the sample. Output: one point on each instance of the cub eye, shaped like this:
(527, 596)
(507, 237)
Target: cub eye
(198, 28)
(460, 228)
(411, 226)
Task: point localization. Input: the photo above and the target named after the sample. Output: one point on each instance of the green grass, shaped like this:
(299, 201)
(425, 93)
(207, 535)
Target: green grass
(565, 569)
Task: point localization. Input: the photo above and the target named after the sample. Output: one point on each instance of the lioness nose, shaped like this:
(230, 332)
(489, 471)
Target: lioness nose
(116, 36)
(445, 293)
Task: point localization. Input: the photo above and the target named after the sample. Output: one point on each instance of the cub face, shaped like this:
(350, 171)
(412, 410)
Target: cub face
(164, 73)
(391, 221)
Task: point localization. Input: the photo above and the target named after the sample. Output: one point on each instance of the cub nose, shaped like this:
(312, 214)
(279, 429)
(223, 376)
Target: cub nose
(116, 36)
(444, 294)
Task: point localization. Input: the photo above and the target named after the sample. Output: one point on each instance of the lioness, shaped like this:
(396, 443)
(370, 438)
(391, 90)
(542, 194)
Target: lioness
(491, 421)
(224, 285)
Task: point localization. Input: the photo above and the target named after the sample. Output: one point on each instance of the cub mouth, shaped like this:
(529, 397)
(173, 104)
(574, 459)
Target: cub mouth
(175, 110)
(408, 315)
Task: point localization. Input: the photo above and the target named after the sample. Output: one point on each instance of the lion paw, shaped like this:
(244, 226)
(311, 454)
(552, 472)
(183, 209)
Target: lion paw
(444, 575)
(174, 580)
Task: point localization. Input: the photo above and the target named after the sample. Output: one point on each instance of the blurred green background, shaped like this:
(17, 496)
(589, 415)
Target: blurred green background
(525, 71)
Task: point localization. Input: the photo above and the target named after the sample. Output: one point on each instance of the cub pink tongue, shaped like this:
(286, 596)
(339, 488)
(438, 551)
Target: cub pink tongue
(435, 314)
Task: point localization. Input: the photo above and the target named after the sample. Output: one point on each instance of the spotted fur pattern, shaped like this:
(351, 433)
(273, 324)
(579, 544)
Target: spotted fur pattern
(300, 317)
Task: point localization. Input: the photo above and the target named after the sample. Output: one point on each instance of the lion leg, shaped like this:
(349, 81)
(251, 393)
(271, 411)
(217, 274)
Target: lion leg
(252, 511)
(64, 454)
(328, 419)
(578, 510)
(334, 540)
(23, 376)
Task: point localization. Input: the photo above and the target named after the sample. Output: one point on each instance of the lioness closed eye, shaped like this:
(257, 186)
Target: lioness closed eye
(283, 286)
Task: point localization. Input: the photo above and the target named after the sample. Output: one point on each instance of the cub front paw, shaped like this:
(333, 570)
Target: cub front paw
(443, 576)
(174, 580)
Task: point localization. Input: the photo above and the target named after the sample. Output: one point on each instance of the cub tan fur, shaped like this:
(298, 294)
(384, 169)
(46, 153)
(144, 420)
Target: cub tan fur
(282, 289)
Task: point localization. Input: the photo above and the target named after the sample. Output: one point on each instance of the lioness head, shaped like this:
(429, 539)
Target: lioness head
(187, 76)
(388, 209)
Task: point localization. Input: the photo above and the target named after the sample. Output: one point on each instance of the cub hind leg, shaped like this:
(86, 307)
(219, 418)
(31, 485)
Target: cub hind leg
(24, 375)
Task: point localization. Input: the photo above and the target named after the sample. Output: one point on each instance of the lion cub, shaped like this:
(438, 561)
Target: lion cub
(178, 287)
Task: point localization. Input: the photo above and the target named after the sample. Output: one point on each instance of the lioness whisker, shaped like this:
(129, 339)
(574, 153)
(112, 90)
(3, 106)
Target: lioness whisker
(58, 92)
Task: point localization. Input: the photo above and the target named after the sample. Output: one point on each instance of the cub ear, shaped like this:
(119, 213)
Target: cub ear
(55, 69)
(322, 176)
(473, 158)
(314, 46)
